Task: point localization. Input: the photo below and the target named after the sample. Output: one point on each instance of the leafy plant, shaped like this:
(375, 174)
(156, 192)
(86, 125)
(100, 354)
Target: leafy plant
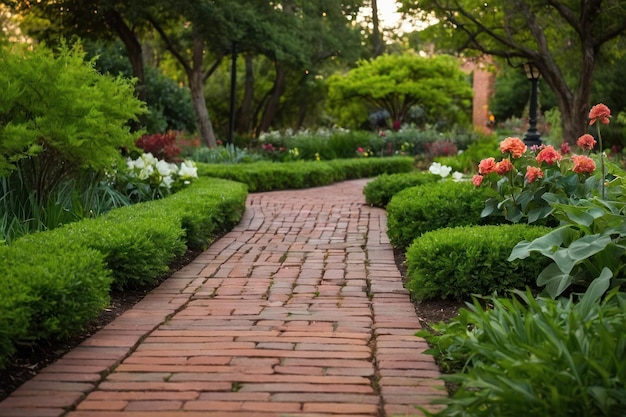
(543, 356)
(60, 117)
(589, 246)
(161, 145)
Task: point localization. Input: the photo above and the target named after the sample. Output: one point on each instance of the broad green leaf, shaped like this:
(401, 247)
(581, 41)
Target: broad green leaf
(587, 246)
(554, 280)
(546, 244)
(595, 291)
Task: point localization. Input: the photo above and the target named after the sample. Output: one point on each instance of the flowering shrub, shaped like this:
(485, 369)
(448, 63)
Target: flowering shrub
(440, 148)
(523, 177)
(149, 178)
(588, 250)
(161, 145)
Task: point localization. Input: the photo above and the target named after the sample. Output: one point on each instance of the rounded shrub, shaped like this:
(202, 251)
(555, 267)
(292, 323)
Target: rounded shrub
(379, 191)
(462, 261)
(427, 207)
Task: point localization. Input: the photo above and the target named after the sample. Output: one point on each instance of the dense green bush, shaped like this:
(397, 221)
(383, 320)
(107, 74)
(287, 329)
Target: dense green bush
(60, 116)
(417, 210)
(537, 357)
(49, 289)
(268, 176)
(380, 191)
(459, 262)
(137, 248)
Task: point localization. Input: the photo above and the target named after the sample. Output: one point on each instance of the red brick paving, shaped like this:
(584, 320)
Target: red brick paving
(298, 311)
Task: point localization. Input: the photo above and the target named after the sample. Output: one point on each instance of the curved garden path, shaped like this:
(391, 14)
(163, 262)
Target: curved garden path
(298, 311)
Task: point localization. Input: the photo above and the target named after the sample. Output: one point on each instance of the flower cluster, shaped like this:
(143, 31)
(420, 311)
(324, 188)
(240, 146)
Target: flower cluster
(159, 173)
(443, 171)
(523, 176)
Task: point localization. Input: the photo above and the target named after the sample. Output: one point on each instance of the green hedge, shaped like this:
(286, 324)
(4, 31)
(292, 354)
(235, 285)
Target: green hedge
(427, 207)
(53, 283)
(50, 288)
(462, 261)
(380, 191)
(269, 176)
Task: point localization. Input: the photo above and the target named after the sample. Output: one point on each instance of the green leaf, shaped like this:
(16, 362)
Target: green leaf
(554, 280)
(595, 291)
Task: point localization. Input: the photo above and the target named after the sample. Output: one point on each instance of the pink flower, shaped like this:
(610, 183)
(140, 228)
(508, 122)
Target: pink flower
(549, 155)
(360, 150)
(477, 180)
(583, 164)
(599, 112)
(515, 146)
(504, 166)
(565, 148)
(532, 173)
(487, 166)
(586, 142)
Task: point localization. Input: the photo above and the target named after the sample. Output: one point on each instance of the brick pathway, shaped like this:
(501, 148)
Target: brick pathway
(300, 310)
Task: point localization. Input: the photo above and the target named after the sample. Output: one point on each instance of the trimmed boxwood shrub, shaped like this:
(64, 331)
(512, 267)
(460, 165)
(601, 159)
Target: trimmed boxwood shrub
(380, 191)
(462, 261)
(270, 176)
(50, 289)
(427, 207)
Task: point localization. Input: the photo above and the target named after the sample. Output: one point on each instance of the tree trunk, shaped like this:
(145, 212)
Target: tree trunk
(271, 108)
(244, 117)
(195, 76)
(378, 46)
(135, 53)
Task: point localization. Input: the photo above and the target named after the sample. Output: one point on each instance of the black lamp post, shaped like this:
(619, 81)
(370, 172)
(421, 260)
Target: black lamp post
(532, 137)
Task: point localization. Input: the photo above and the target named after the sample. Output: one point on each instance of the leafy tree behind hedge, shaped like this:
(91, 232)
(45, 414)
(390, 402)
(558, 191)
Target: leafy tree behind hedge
(60, 117)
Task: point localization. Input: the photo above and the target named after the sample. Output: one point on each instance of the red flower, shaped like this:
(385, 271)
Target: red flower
(599, 112)
(532, 173)
(548, 155)
(504, 166)
(477, 180)
(583, 164)
(487, 166)
(565, 148)
(513, 145)
(586, 142)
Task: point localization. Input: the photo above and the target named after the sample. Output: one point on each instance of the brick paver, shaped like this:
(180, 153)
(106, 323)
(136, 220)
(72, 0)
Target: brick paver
(298, 311)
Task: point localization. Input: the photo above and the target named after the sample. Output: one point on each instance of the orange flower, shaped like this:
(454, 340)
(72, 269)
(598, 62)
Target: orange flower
(583, 164)
(599, 112)
(504, 166)
(513, 145)
(487, 166)
(532, 173)
(548, 155)
(586, 142)
(477, 180)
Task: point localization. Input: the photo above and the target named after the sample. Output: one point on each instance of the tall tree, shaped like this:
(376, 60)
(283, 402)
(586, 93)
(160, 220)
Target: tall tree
(562, 38)
(396, 83)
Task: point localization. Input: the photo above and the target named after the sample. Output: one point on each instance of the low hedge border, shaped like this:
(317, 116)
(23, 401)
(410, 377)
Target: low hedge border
(432, 206)
(270, 176)
(55, 282)
(463, 261)
(380, 191)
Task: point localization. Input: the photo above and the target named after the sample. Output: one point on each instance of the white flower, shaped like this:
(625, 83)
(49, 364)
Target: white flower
(437, 169)
(457, 176)
(188, 170)
(167, 181)
(164, 168)
(146, 172)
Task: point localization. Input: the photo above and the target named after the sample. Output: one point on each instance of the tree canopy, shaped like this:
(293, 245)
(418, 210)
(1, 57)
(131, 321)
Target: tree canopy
(563, 39)
(397, 83)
